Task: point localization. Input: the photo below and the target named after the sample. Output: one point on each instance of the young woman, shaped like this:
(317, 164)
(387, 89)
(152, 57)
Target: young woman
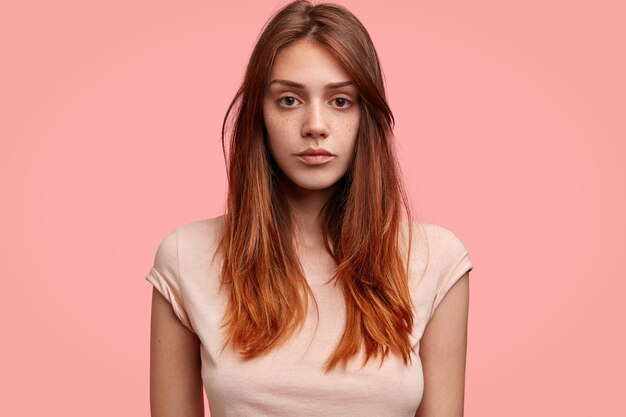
(311, 295)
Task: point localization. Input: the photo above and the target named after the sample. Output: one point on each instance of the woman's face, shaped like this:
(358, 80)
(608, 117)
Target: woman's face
(309, 105)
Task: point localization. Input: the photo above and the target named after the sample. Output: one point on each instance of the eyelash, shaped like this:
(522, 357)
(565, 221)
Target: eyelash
(338, 98)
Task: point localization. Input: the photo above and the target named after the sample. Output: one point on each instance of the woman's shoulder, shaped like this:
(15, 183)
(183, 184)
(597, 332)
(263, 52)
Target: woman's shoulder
(439, 234)
(203, 225)
(432, 232)
(435, 241)
(201, 233)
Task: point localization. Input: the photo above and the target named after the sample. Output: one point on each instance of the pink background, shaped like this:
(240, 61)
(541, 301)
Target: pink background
(511, 127)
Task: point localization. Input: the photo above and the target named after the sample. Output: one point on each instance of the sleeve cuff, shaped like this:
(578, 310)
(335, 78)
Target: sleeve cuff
(157, 280)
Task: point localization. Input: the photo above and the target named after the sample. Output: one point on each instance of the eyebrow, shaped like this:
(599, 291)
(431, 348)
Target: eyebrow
(293, 84)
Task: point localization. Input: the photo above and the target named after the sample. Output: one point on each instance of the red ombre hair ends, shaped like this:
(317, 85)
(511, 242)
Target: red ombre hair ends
(268, 292)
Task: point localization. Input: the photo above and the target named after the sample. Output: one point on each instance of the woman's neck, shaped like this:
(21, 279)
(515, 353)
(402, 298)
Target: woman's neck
(306, 207)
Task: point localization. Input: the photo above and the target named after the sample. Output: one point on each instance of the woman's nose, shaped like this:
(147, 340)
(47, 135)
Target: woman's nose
(315, 124)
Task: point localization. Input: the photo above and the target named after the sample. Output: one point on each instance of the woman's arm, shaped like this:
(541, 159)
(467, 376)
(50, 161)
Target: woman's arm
(175, 364)
(443, 350)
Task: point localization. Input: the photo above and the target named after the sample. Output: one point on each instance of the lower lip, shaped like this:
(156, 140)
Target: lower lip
(315, 159)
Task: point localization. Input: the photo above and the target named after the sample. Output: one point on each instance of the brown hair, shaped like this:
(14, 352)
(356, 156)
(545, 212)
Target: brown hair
(261, 269)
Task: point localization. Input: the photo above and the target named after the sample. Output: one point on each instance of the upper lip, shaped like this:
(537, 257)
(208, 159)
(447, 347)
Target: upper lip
(318, 151)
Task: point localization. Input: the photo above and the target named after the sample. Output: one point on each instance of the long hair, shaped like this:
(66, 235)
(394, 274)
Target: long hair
(268, 292)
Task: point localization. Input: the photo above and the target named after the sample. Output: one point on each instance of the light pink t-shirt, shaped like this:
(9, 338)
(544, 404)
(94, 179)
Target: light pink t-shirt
(290, 380)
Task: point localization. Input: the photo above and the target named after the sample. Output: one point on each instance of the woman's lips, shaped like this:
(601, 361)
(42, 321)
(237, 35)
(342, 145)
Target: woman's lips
(315, 156)
(315, 159)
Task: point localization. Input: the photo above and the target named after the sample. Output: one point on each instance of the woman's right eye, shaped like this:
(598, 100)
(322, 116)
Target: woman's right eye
(287, 100)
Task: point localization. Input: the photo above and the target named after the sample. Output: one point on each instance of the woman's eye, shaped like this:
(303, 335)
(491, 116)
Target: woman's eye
(342, 102)
(288, 100)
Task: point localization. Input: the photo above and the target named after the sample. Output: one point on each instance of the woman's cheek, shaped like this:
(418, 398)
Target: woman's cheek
(275, 122)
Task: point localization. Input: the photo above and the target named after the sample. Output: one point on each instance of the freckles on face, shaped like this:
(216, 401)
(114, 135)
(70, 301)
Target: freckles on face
(311, 103)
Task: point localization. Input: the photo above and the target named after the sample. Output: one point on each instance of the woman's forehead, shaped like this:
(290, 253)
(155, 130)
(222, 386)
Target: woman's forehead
(307, 64)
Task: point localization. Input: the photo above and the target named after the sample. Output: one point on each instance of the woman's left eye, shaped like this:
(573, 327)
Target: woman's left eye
(342, 102)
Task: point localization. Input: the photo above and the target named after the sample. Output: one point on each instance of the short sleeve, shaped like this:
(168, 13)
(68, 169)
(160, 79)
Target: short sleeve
(164, 276)
(456, 262)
